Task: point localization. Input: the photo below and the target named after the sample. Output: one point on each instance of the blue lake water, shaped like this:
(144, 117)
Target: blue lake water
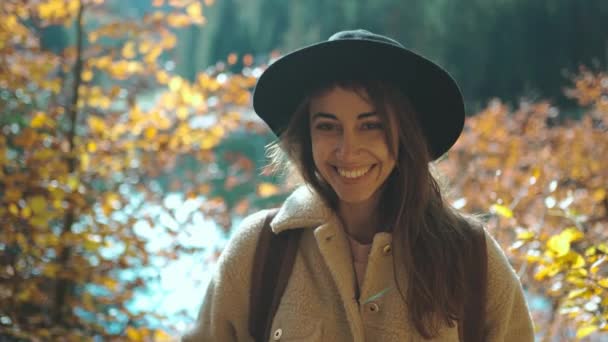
(177, 287)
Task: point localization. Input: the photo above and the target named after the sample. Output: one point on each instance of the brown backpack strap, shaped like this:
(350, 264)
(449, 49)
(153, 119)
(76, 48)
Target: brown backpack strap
(272, 266)
(472, 327)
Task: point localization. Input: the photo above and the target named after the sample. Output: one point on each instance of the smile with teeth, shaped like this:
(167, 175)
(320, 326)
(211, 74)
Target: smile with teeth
(353, 173)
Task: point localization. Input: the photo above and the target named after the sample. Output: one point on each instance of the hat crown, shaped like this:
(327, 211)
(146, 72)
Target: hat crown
(361, 34)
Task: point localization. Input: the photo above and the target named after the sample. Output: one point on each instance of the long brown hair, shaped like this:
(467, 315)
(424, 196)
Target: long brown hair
(429, 235)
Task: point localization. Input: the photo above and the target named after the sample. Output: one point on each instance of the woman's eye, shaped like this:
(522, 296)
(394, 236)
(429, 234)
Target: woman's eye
(373, 125)
(324, 126)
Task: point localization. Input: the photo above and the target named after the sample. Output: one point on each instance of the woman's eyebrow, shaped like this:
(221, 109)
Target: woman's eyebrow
(333, 117)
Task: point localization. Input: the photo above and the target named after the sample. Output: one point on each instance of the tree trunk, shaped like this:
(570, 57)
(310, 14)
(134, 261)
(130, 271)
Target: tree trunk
(63, 285)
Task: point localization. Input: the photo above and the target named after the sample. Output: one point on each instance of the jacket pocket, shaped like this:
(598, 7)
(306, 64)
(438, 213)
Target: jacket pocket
(296, 329)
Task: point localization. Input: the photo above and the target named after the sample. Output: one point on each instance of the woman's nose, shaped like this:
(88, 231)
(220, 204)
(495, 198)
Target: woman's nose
(348, 146)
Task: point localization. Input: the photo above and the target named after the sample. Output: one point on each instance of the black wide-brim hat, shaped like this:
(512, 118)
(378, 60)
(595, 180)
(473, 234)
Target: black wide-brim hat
(360, 54)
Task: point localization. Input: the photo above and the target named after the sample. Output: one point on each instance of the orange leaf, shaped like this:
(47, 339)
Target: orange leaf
(267, 189)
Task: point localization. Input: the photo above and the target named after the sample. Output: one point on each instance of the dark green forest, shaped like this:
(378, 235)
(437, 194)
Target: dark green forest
(507, 49)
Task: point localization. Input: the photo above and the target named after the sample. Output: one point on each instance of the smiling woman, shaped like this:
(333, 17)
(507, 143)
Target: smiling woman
(349, 147)
(381, 256)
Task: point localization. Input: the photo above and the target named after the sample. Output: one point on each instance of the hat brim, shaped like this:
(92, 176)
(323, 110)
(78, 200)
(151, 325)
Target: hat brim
(432, 91)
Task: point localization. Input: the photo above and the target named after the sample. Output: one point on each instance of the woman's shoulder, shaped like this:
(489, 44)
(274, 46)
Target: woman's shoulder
(242, 244)
(249, 228)
(499, 268)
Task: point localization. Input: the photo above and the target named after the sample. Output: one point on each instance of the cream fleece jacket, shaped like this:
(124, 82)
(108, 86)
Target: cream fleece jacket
(319, 303)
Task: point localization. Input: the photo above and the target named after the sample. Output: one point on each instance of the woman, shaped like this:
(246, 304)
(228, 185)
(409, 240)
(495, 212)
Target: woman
(382, 256)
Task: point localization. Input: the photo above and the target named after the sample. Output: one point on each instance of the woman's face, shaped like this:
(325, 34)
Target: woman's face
(349, 144)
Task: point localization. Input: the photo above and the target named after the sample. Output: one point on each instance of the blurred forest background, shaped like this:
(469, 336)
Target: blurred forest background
(129, 152)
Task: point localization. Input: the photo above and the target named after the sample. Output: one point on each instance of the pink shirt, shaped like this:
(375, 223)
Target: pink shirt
(360, 253)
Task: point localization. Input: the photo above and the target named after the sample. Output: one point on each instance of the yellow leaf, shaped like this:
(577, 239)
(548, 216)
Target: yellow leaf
(195, 10)
(267, 189)
(87, 75)
(44, 333)
(87, 300)
(208, 142)
(13, 209)
(110, 283)
(599, 194)
(176, 83)
(13, 195)
(576, 281)
(93, 36)
(91, 245)
(525, 235)
(39, 221)
(536, 173)
(577, 292)
(162, 77)
(182, 112)
(97, 125)
(50, 270)
(533, 258)
(91, 147)
(217, 131)
(502, 210)
(145, 46)
(547, 271)
(590, 251)
(559, 244)
(576, 260)
(586, 330)
(38, 204)
(154, 53)
(11, 22)
(128, 51)
(150, 132)
(603, 283)
(161, 336)
(578, 272)
(41, 120)
(178, 20)
(85, 161)
(196, 100)
(134, 67)
(134, 334)
(24, 295)
(73, 183)
(22, 241)
(26, 212)
(573, 234)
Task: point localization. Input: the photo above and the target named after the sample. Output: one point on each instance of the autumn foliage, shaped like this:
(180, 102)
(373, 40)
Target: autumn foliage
(96, 132)
(79, 145)
(542, 178)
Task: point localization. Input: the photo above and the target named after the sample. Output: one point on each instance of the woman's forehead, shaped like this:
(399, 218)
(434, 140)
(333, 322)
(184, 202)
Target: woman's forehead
(339, 100)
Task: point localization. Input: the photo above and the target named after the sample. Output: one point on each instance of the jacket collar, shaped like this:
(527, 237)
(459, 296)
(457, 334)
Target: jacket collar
(302, 209)
(305, 209)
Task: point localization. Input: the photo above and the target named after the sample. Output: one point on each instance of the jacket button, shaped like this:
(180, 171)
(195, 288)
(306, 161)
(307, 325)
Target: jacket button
(387, 249)
(277, 334)
(373, 307)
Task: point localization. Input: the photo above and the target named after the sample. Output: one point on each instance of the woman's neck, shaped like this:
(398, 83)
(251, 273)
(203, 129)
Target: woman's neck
(360, 220)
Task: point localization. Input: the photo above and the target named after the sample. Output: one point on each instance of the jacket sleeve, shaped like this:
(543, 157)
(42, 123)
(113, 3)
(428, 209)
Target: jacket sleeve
(507, 315)
(224, 313)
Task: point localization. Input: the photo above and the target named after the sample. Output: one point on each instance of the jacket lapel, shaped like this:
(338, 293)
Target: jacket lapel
(335, 250)
(304, 209)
